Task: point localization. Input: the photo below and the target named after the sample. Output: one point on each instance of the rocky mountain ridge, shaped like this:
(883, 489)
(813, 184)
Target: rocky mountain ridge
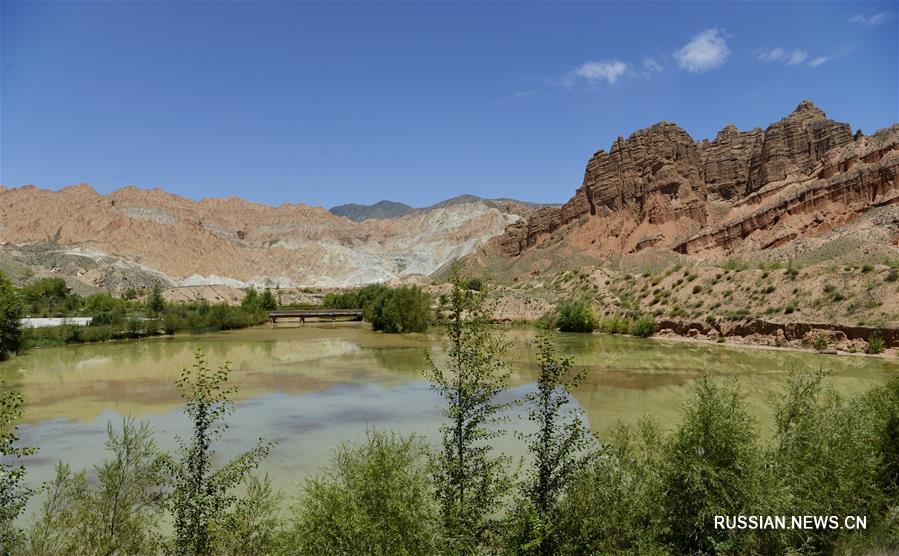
(381, 209)
(391, 209)
(133, 235)
(741, 192)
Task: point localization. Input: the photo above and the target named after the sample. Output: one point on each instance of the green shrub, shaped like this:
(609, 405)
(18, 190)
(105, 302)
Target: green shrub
(735, 265)
(892, 275)
(826, 459)
(576, 316)
(711, 466)
(616, 324)
(118, 513)
(375, 498)
(612, 505)
(876, 343)
(644, 327)
(546, 321)
(254, 525)
(12, 339)
(867, 268)
(50, 297)
(14, 492)
(820, 343)
(403, 309)
(474, 284)
(255, 301)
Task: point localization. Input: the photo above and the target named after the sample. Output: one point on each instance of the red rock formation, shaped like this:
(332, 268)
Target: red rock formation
(667, 183)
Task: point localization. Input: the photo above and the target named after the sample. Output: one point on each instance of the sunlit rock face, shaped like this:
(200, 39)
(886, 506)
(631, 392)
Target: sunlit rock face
(743, 190)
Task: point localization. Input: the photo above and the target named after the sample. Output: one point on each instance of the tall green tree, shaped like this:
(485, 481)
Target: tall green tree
(11, 312)
(557, 446)
(250, 300)
(155, 301)
(201, 494)
(13, 493)
(267, 301)
(470, 480)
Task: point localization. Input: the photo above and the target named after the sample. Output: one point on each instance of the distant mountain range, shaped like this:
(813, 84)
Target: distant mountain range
(391, 209)
(135, 237)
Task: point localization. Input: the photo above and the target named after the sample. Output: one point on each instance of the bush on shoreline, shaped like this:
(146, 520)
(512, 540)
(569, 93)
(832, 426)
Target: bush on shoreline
(196, 317)
(391, 310)
(579, 316)
(576, 316)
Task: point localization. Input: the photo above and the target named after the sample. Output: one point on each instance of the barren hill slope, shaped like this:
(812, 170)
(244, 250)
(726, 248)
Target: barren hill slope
(133, 235)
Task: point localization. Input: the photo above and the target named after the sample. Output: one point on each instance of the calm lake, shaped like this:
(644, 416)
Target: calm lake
(311, 387)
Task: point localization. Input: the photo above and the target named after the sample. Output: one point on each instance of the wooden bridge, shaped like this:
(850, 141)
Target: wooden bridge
(303, 314)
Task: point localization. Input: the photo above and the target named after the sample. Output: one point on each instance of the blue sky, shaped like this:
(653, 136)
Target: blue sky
(328, 103)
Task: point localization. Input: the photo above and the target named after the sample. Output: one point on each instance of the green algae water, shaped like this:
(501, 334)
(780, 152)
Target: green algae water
(312, 387)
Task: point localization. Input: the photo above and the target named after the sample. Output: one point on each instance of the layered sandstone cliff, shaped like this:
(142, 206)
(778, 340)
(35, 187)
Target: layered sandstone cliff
(743, 190)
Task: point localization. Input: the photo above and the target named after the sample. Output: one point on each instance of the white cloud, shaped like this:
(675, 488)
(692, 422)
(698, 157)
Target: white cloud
(608, 70)
(797, 57)
(790, 58)
(705, 51)
(877, 19)
(651, 66)
(765, 55)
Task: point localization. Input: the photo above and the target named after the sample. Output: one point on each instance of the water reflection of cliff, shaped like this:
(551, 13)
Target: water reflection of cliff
(626, 377)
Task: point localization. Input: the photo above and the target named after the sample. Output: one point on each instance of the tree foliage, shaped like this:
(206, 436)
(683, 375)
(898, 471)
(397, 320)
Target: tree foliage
(11, 312)
(201, 494)
(712, 467)
(469, 479)
(393, 310)
(13, 492)
(50, 297)
(375, 498)
(576, 316)
(558, 449)
(255, 301)
(155, 301)
(116, 510)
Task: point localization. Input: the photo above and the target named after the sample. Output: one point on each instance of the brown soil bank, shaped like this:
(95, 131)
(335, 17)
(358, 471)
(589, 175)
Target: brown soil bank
(838, 306)
(836, 336)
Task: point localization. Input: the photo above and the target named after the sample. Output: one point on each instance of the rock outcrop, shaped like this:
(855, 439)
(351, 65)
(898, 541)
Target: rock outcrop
(744, 189)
